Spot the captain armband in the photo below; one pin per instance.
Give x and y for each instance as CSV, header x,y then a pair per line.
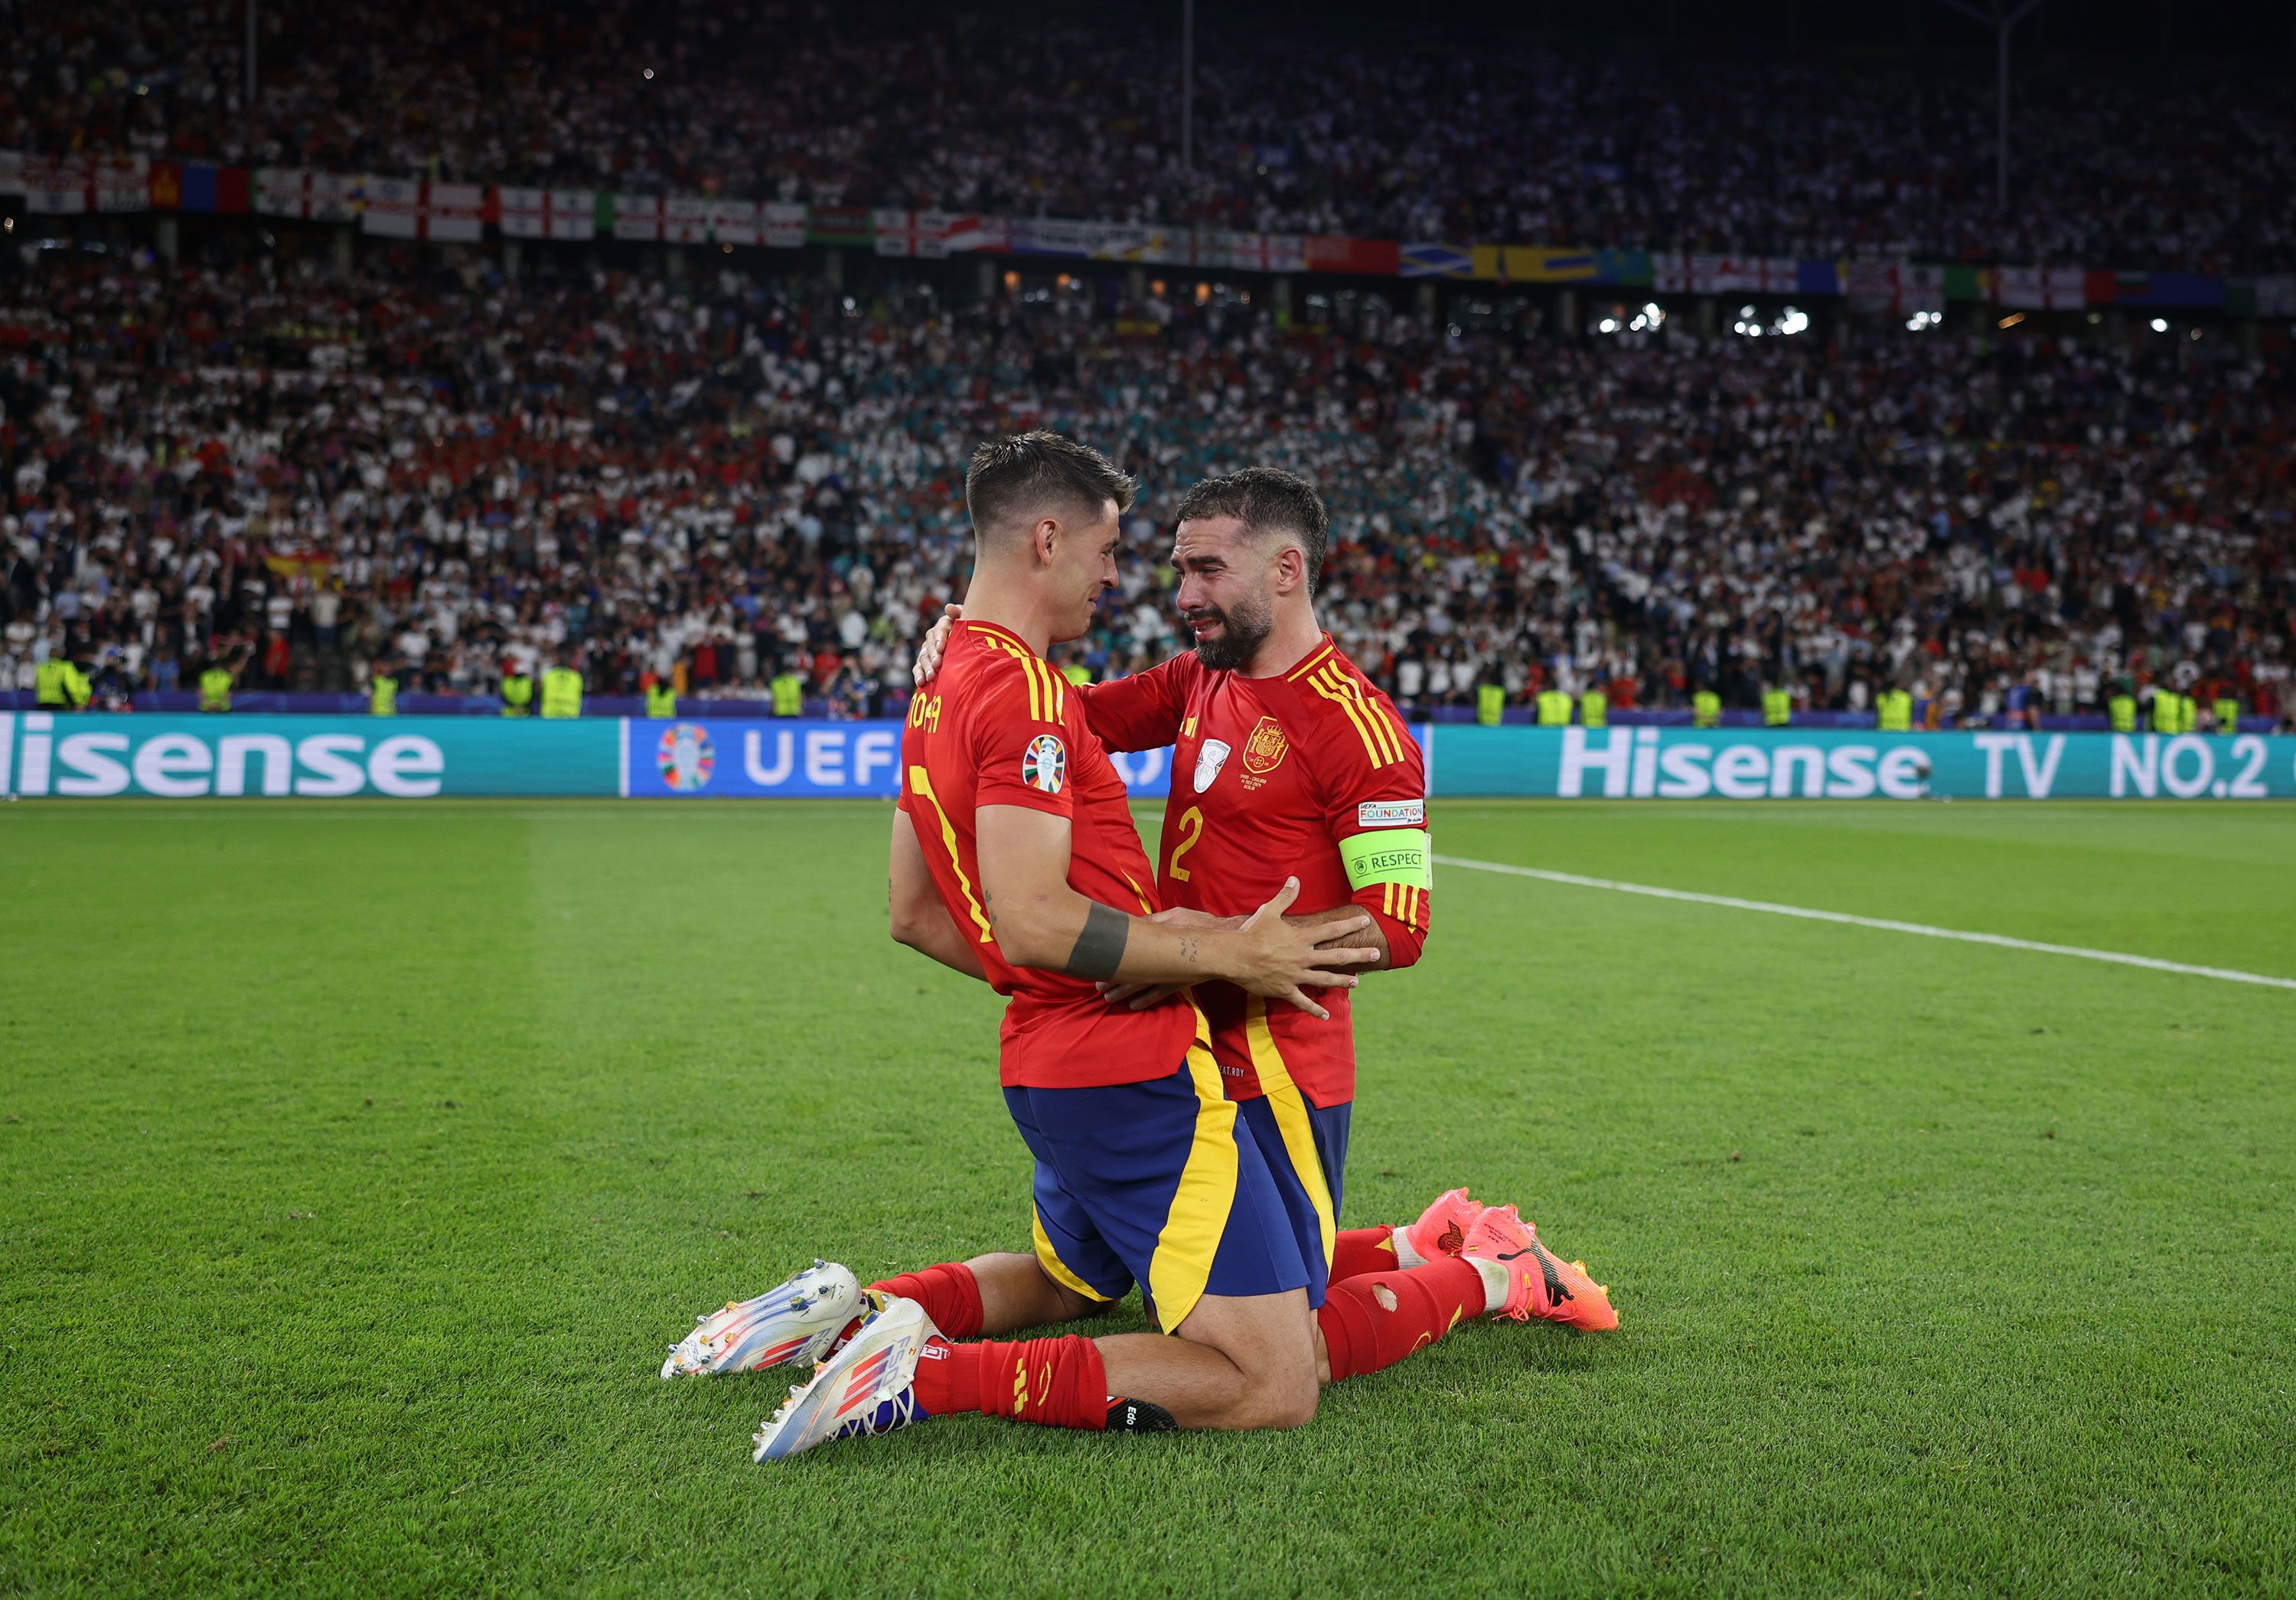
x,y
1388,856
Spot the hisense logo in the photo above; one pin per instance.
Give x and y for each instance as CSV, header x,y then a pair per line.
x,y
119,757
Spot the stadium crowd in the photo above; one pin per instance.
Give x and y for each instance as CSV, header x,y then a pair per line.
x,y
445,470
1307,131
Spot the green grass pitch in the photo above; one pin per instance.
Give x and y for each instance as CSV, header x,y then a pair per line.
x,y
360,1160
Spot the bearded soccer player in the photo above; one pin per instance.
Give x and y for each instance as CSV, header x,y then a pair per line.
x,y
1248,557
1012,848
1287,759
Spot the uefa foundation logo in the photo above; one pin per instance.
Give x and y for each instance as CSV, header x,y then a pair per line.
x,y
686,758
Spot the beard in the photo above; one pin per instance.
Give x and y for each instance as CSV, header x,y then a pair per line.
x,y
1242,629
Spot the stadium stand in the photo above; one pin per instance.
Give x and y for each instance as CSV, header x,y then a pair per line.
x,y
444,468
1319,133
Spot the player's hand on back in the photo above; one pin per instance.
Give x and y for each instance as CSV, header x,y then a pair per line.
x,y
934,644
1280,961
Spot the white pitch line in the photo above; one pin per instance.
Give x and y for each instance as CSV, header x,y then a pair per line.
x,y
2119,957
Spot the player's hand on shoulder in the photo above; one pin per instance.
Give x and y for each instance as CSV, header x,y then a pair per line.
x,y
1281,961
934,645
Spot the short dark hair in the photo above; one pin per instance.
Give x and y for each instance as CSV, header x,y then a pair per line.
x,y
1040,468
1266,500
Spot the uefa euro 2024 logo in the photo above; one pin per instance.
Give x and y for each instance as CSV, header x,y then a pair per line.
x,y
685,757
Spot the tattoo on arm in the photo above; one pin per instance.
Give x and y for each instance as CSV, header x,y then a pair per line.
x,y
1100,947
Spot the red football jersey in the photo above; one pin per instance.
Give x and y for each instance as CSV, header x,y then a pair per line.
x,y
1274,777
1000,727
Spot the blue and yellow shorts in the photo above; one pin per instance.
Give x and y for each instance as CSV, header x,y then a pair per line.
x,y
1161,1184
1306,1145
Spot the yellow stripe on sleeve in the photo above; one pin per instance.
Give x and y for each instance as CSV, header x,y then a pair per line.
x,y
1382,730
921,783
1349,705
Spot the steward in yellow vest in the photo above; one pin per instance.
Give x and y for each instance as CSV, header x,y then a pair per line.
x,y
1553,708
1706,708
382,695
1076,673
1595,709
215,689
60,686
517,694
561,694
661,698
1490,704
2227,711
2120,711
2168,711
1777,708
789,694
1894,711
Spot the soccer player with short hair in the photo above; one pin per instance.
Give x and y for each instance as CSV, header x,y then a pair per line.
x,y
1287,759
1012,850
1396,1290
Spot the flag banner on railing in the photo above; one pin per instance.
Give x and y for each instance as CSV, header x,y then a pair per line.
x,y
685,219
2043,288
637,216
783,226
419,208
547,213
734,222
406,207
300,192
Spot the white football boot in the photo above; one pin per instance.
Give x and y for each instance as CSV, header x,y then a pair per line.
x,y
869,1386
799,1320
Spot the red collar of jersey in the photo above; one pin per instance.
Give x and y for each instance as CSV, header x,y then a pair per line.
x,y
1315,658
995,632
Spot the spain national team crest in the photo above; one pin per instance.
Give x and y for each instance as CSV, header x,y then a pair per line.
x,y
1264,751
1044,764
1209,759
684,757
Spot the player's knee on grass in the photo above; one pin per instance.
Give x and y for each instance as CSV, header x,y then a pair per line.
x,y
1284,1399
1270,1340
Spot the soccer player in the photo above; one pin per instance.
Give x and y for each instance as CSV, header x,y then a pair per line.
x,y
1013,827
1403,1287
1288,760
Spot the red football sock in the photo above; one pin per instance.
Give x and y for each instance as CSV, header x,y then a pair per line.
x,y
949,1293
1053,1382
1355,1251
1374,1321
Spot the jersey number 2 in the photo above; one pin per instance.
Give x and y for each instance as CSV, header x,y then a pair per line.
x,y
1192,829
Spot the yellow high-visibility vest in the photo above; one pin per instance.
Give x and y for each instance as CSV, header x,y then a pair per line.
x,y
1706,708
382,696
561,693
517,695
1894,711
51,684
215,690
788,696
1777,707
2227,711
2120,710
1553,708
1490,704
1595,709
662,701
